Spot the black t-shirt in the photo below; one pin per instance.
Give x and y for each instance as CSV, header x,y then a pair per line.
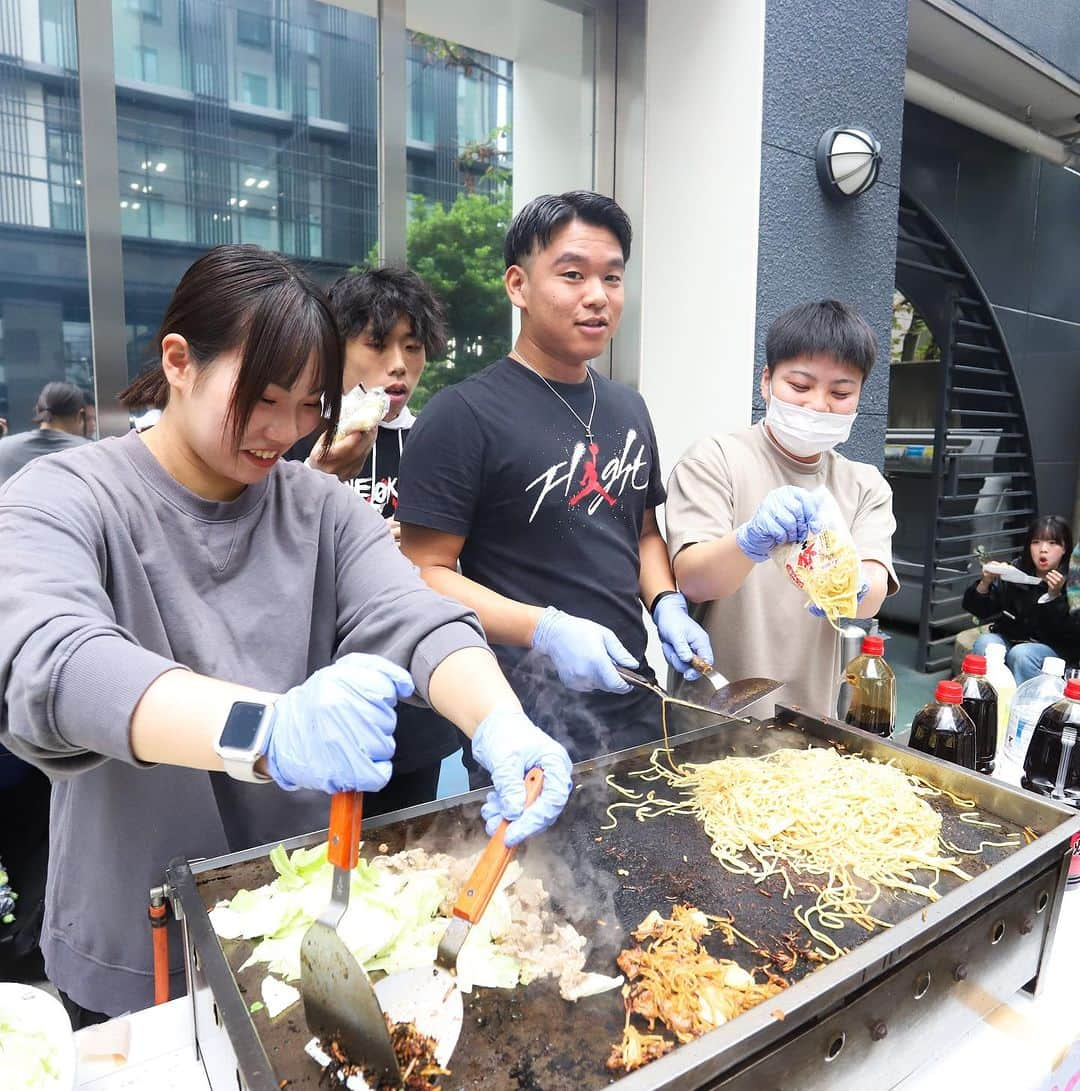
x,y
547,520
422,736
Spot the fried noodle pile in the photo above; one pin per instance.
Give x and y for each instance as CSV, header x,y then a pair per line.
x,y
674,981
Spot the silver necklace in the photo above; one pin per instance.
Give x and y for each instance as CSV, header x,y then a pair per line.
x,y
587,425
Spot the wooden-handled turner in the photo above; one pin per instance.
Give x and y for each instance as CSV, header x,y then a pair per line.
x,y
429,996
339,1001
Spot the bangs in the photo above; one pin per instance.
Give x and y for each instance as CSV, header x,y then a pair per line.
x,y
290,327
1050,528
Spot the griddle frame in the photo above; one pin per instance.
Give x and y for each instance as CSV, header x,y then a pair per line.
x,y
234,1057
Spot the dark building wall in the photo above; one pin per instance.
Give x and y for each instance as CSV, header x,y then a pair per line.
x,y
1050,28
830,64
1016,219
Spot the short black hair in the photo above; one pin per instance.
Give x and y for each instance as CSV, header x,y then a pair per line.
x,y
822,328
374,300
58,400
244,298
532,228
1047,528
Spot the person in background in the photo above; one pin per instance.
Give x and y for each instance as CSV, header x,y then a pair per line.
x,y
391,325
733,499
61,415
540,477
1032,621
201,641
1073,583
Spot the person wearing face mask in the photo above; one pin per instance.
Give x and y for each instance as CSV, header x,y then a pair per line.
x,y
201,641
733,499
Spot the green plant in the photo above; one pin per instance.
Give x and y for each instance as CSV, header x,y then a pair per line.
x,y
458,251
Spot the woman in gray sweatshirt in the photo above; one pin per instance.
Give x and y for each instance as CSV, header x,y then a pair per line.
x,y
158,585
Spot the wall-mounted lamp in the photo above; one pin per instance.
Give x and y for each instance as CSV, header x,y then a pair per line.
x,y
848,161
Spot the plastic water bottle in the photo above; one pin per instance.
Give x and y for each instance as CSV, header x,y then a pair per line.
x,y
1031,699
1001,678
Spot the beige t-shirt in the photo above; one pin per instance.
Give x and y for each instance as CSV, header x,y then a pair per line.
x,y
764,628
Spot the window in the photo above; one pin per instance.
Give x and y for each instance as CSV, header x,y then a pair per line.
x,y
253,29
254,89
147,59
148,9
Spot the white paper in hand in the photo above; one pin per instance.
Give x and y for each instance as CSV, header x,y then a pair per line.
x,y
1009,573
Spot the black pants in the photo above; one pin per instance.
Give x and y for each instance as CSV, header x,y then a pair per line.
x,y
24,851
81,1017
404,790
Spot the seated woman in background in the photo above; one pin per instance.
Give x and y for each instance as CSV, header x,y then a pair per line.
x,y
1031,620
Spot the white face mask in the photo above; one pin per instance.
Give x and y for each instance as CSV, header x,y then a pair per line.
x,y
805,432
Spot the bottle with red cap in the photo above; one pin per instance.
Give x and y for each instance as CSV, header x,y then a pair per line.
x,y
1052,762
981,704
943,729
873,689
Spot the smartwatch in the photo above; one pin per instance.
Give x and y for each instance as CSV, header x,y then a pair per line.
x,y
243,740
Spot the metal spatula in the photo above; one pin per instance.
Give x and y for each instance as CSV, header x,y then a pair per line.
x,y
428,996
339,1002
728,700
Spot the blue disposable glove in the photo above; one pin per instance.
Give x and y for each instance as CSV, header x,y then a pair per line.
x,y
681,636
335,732
508,744
583,652
864,588
786,515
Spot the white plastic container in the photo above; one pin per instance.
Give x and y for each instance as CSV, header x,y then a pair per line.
x,y
1031,699
1001,678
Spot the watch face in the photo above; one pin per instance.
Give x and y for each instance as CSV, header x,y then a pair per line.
x,y
242,727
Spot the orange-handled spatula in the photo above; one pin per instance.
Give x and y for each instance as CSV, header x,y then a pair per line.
x,y
339,1001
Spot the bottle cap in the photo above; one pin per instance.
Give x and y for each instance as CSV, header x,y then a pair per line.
x,y
1072,689
1054,666
974,664
873,645
949,693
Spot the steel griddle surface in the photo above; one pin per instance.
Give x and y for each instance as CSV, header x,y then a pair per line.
x,y
604,883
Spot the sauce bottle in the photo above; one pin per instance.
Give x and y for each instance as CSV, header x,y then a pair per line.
x,y
1052,762
981,704
873,689
943,729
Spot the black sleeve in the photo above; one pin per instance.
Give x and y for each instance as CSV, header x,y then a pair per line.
x,y
442,466
983,606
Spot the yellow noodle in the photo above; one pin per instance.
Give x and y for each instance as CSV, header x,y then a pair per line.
x,y
855,827
831,576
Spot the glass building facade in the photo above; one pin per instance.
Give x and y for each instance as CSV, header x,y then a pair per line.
x,y
252,121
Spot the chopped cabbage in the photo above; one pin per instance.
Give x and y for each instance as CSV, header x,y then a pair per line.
x,y
29,1058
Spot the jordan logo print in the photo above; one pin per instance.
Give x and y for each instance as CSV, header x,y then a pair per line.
x,y
590,481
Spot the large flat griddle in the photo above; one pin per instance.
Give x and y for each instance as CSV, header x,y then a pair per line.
x,y
606,881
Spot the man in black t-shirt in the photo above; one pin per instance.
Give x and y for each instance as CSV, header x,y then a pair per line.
x,y
540,478
390,323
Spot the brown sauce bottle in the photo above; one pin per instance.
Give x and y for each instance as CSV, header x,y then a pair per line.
x,y
980,703
943,729
873,689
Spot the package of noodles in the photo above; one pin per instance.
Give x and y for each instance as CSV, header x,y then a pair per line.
x,y
825,565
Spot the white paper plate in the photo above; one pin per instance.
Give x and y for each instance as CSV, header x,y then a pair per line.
x,y
1009,573
35,1021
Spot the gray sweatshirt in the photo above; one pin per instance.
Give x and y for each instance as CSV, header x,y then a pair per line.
x,y
114,573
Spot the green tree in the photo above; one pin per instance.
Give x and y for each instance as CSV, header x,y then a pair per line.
x,y
458,251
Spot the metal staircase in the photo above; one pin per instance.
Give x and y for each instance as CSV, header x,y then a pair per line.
x,y
983,472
